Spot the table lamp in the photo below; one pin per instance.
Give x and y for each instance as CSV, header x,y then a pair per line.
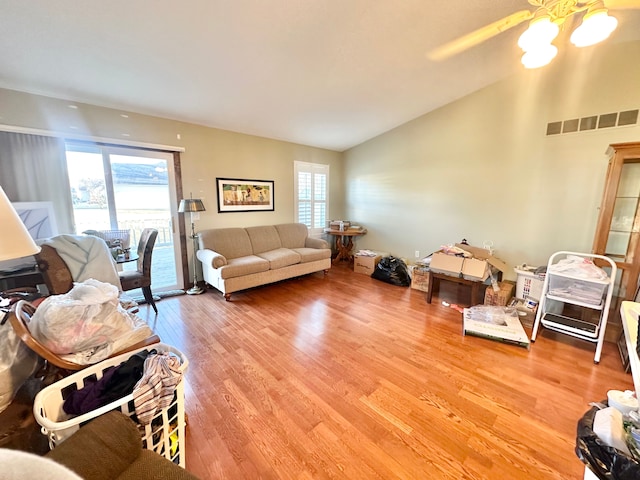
x,y
193,205
15,241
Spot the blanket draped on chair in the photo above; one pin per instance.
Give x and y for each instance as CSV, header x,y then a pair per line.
x,y
87,257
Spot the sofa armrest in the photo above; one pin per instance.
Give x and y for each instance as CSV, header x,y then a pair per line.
x,y
209,257
315,243
102,449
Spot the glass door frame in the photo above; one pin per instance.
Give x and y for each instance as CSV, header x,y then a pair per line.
x,y
175,193
620,154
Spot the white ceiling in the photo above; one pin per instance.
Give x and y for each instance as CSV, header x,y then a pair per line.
x,y
326,73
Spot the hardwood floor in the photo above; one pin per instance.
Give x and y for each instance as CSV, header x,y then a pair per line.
x,y
347,377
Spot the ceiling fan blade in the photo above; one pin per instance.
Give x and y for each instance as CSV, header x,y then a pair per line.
x,y
621,4
478,36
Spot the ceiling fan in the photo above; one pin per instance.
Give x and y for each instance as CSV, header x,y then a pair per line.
x,y
545,22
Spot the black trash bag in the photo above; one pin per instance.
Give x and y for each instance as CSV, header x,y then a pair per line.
x,y
607,463
392,270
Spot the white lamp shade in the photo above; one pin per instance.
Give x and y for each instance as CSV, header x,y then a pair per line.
x,y
541,31
15,241
595,28
539,57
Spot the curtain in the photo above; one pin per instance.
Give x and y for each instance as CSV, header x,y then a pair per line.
x,y
33,168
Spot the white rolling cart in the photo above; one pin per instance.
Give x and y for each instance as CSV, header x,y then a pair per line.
x,y
562,288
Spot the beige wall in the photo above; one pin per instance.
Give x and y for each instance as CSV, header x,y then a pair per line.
x,y
482,168
209,152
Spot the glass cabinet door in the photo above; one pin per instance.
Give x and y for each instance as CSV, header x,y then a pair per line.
x,y
618,230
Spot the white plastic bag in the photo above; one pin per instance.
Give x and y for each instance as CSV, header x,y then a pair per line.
x,y
17,364
86,322
579,267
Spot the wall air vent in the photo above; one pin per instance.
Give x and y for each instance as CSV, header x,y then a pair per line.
x,y
630,117
588,123
605,120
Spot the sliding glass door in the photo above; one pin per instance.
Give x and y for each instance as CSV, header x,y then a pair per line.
x,y
118,188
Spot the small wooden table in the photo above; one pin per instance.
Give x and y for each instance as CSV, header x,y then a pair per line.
x,y
344,242
474,284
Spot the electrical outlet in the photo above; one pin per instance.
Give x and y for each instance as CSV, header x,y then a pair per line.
x,y
417,253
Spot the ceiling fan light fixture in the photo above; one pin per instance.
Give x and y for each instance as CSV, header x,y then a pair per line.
x,y
596,26
541,31
539,56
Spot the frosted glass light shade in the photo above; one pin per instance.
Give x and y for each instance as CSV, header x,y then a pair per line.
x,y
540,56
15,241
596,27
541,31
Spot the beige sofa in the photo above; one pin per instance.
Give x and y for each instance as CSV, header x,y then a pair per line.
x,y
235,259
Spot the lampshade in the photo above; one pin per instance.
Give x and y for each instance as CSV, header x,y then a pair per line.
x,y
191,205
596,26
542,31
539,56
15,241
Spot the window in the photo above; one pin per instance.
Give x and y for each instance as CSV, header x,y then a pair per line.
x,y
311,186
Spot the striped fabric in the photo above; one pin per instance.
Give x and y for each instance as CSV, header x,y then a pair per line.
x,y
154,391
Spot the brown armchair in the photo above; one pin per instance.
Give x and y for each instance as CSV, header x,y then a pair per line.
x,y
109,447
55,272
141,277
19,320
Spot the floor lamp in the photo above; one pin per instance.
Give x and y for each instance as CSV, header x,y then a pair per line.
x,y
193,205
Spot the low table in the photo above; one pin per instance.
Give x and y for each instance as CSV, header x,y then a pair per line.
x,y
19,279
344,247
474,284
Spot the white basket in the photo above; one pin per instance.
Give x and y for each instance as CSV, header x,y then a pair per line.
x,y
165,434
528,285
571,288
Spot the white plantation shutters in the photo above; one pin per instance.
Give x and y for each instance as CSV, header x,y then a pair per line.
x,y
311,186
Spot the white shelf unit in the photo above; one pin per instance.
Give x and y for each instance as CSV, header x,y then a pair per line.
x,y
558,322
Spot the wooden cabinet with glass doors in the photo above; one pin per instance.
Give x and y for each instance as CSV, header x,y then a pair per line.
x,y
618,229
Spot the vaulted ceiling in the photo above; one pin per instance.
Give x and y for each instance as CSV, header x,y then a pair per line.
x,y
326,73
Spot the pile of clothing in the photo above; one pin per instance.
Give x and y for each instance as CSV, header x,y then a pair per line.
x,y
152,377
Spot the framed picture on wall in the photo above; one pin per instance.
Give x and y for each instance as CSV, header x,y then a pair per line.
x,y
241,195
40,220
38,217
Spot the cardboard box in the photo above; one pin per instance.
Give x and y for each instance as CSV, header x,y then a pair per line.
x,y
447,264
366,265
503,326
527,315
478,267
501,297
420,278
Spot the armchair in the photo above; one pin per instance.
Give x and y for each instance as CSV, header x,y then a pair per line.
x,y
110,447
19,320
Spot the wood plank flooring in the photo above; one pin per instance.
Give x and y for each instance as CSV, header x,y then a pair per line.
x,y
346,377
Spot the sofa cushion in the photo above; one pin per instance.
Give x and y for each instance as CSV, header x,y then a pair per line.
x,y
264,238
312,254
237,267
280,257
114,435
230,242
292,235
